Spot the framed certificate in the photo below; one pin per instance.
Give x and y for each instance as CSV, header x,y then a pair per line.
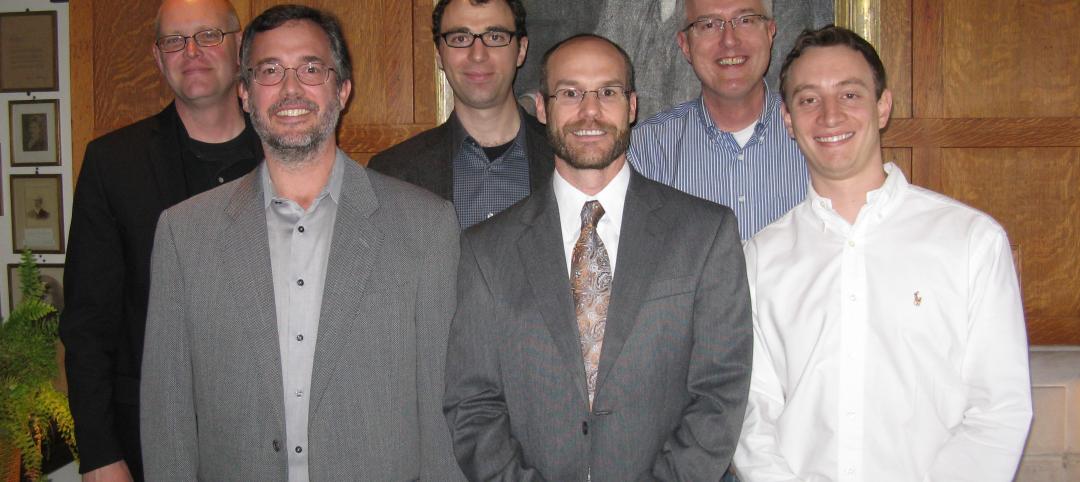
x,y
28,52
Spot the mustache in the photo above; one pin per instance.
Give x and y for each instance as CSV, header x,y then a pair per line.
x,y
590,125
292,104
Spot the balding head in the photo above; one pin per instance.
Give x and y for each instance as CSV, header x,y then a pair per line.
x,y
212,8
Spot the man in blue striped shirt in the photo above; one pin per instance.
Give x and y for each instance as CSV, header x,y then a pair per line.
x,y
729,145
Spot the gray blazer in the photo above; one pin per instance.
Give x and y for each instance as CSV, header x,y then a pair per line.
x,y
675,366
212,403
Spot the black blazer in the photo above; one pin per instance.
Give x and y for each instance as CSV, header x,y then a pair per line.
x,y
128,178
427,159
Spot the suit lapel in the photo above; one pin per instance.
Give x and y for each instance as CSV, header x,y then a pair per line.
x,y
165,161
641,235
354,250
541,250
247,246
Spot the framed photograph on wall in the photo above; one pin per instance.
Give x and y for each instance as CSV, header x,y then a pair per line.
x,y
52,275
37,217
29,58
35,132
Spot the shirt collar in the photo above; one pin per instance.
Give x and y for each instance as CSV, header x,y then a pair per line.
x,y
772,103
612,198
458,134
333,185
880,202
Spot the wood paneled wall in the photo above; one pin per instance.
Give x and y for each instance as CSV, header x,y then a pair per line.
x,y
987,110
115,82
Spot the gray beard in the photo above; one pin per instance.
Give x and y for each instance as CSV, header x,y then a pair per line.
x,y
297,149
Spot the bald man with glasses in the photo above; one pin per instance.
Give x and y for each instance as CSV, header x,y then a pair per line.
x,y
128,177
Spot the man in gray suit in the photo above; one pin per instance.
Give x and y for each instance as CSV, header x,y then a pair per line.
x,y
298,316
614,345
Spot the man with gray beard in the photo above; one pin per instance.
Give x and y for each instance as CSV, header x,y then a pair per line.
x,y
298,316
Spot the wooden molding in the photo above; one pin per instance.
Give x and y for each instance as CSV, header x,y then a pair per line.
x,y
991,132
861,16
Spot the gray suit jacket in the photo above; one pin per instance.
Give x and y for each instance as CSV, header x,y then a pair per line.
x,y
212,402
675,366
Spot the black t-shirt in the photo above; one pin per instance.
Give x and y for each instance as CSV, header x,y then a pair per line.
x,y
208,165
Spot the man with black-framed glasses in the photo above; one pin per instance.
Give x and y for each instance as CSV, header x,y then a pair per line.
x,y
729,145
128,178
490,153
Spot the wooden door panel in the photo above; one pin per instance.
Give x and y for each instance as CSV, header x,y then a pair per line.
x,y
128,86
1008,58
1033,193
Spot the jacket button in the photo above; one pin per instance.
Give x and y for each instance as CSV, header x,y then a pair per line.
x,y
585,428
277,446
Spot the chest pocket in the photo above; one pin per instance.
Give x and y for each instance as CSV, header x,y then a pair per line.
x,y
671,287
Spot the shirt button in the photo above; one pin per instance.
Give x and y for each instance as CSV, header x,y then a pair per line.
x,y
301,229
852,298
298,449
851,413
490,215
277,446
220,180
299,393
851,243
742,199
300,282
850,470
299,337
740,156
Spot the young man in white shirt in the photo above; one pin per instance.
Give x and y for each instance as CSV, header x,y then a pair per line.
x,y
889,332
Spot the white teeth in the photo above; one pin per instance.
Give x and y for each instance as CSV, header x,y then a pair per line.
x,y
836,138
292,112
589,132
732,60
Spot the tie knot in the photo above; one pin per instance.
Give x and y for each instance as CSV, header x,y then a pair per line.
x,y
591,213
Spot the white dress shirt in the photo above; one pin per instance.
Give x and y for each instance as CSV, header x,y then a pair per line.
x,y
612,198
891,349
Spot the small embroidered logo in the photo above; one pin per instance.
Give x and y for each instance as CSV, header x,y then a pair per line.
x,y
918,299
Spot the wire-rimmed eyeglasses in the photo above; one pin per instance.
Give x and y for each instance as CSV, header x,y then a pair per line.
x,y
491,38
609,95
272,73
205,38
715,25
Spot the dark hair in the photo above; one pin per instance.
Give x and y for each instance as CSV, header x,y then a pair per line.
x,y
276,16
551,51
516,7
829,36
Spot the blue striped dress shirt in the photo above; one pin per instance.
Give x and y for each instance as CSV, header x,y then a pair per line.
x,y
760,181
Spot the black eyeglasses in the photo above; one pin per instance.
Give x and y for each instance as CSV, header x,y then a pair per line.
x,y
205,38
311,73
491,38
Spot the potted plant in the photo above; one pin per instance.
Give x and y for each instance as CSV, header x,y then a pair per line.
x,y
30,403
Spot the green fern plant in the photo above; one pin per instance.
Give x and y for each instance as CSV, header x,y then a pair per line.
x,y
29,403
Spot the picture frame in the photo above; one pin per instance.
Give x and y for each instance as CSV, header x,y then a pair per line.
x,y
29,55
51,274
37,216
34,126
